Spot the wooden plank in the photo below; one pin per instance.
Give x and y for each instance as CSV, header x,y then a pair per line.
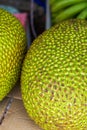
x,y
3,106
15,92
17,118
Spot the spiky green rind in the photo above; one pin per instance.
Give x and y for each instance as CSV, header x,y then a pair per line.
x,y
12,50
54,77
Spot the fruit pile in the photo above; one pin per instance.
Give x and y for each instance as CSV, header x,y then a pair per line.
x,y
53,75
66,9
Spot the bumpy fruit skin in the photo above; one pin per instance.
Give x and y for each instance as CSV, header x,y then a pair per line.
x,y
54,77
12,50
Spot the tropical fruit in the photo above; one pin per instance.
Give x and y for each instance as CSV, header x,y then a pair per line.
x,y
12,50
54,77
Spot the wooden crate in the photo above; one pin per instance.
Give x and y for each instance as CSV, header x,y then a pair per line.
x,y
15,116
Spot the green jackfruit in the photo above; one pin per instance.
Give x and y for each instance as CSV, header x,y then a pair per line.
x,y
12,50
54,77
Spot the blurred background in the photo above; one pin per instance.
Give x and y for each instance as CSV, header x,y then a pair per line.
x,y
32,13
39,15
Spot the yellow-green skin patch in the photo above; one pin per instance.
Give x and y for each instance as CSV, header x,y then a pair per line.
x,y
12,50
54,77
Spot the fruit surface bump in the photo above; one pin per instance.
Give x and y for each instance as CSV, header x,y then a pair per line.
x,y
54,77
12,50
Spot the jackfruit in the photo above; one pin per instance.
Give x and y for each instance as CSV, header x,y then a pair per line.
x,y
13,46
54,77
